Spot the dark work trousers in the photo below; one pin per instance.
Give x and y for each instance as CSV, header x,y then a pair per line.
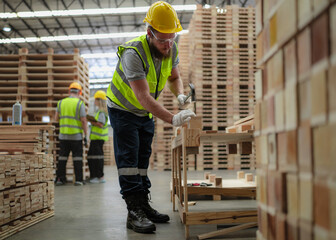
x,y
132,140
96,158
67,146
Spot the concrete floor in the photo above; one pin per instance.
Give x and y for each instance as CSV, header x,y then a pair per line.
x,y
97,212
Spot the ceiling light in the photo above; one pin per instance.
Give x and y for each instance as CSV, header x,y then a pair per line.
x,y
77,37
6,28
93,11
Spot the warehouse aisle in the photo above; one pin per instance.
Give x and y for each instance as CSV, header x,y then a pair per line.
x,y
97,212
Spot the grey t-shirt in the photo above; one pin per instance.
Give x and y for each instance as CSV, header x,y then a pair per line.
x,y
134,69
77,136
102,118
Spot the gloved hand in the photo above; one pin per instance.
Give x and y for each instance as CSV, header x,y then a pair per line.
x,y
85,142
182,117
182,102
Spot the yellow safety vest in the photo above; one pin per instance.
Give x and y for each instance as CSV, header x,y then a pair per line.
x,y
119,90
98,133
69,109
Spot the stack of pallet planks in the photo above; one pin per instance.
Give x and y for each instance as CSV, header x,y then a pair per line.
x,y
26,177
39,81
295,124
108,152
218,57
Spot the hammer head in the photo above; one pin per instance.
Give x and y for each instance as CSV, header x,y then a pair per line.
x,y
192,92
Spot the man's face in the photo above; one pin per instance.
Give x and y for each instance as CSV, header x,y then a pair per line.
x,y
161,43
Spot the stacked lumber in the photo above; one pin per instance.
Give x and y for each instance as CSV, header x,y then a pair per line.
x,y
218,57
295,124
26,177
109,152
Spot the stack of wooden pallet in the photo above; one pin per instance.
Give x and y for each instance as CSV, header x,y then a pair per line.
x,y
26,177
39,81
108,152
220,62
295,119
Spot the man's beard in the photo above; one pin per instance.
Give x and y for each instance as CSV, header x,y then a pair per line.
x,y
157,54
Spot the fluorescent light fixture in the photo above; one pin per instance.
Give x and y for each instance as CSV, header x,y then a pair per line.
x,y
45,119
100,80
76,37
102,69
99,55
95,86
93,11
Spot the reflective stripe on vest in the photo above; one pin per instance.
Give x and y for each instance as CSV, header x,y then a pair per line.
x,y
69,109
119,90
98,133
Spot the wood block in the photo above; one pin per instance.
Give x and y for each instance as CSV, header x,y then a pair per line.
x,y
281,227
280,192
240,175
292,162
290,62
321,204
262,187
271,219
282,151
291,109
232,148
292,228
218,183
258,149
305,12
292,195
270,114
212,178
319,98
305,100
273,38
304,53
264,116
332,23
245,148
272,152
321,150
332,91
271,189
195,122
249,177
260,47
305,147
306,197
279,102
332,209
263,222
277,77
258,85
306,230
286,20
320,44
206,175
332,150
264,150
257,118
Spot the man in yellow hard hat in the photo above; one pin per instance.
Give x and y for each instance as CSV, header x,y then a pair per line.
x,y
70,113
98,135
145,65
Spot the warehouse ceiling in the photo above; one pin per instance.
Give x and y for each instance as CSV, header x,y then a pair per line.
x,y
100,28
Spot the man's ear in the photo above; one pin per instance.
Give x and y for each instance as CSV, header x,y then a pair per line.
x,y
149,32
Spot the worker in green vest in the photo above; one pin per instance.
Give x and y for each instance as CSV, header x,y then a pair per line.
x,y
145,65
98,135
70,113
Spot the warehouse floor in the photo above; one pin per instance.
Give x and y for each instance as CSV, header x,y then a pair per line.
x,y
97,211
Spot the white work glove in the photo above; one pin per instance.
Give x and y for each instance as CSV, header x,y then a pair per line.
x,y
181,98
182,117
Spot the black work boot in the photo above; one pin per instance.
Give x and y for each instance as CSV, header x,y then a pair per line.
x,y
136,218
151,213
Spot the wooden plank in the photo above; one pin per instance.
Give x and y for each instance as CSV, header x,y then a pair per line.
x,y
227,230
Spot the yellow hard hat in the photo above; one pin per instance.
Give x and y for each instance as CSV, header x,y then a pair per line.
x,y
163,18
100,94
76,85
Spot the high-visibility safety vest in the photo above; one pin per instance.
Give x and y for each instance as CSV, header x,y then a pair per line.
x,y
119,90
68,110
98,133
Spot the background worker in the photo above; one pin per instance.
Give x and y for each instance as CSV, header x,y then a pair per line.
x,y
70,113
145,64
98,135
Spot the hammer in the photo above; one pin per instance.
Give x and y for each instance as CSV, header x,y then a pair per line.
x,y
192,93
